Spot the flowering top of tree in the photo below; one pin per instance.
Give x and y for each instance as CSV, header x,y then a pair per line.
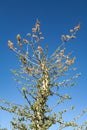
x,y
39,76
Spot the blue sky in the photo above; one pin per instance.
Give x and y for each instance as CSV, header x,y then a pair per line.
x,y
56,17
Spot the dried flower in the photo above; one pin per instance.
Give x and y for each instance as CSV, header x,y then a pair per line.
x,y
69,62
19,44
23,59
34,29
29,70
61,53
59,60
34,36
25,41
65,56
10,44
18,37
40,49
28,34
63,37
65,68
68,37
40,33
71,30
73,37
77,27
37,25
41,38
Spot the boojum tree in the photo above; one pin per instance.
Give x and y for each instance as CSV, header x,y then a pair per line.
x,y
39,78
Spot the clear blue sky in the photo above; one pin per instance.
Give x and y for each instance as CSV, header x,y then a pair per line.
x,y
56,17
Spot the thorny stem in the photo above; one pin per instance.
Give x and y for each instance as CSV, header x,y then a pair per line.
x,y
39,105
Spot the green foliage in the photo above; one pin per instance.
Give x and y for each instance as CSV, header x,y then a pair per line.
x,y
39,77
